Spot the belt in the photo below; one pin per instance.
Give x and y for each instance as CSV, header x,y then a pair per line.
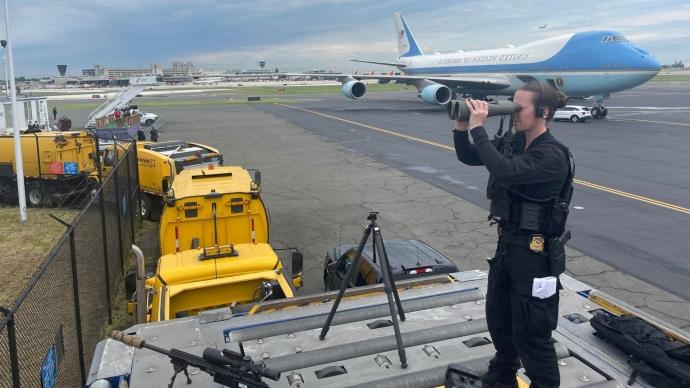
x,y
533,241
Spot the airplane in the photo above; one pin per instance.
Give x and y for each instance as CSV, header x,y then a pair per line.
x,y
584,65
542,26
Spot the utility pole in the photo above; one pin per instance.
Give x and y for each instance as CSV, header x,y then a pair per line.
x,y
18,161
4,62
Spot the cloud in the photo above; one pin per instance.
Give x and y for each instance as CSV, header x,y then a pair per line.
x,y
300,34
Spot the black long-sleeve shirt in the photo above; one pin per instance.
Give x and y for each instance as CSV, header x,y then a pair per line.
x,y
539,172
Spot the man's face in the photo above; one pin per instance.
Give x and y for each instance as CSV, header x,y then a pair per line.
x,y
525,119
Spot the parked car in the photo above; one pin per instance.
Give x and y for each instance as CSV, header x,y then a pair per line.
x,y
147,119
408,259
573,113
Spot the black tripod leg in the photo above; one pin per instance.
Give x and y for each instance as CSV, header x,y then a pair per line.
x,y
343,285
388,287
394,288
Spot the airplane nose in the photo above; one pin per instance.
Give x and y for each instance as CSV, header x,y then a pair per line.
x,y
653,63
647,61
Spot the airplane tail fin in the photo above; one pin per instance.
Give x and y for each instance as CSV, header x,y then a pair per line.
x,y
407,46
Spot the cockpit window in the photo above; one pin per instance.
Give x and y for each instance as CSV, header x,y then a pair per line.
x,y
613,38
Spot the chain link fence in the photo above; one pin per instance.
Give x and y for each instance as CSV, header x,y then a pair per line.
x,y
48,336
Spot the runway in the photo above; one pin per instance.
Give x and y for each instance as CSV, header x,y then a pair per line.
x,y
631,207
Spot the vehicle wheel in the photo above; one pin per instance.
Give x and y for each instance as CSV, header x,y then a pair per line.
x,y
596,111
145,207
604,112
148,122
574,119
34,194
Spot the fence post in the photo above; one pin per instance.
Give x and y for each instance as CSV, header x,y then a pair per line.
x,y
106,261
104,233
136,174
118,202
77,307
129,191
12,339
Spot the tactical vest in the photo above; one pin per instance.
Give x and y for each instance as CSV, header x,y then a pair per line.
x,y
514,210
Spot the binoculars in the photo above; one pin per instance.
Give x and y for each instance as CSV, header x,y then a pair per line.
x,y
458,110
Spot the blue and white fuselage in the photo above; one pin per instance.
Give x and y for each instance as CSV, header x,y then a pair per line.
x,y
582,65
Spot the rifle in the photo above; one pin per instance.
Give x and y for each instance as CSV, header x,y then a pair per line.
x,y
228,368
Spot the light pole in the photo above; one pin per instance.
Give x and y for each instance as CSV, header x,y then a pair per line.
x,y
3,43
18,161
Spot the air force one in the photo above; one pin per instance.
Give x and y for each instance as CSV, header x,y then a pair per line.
x,y
588,65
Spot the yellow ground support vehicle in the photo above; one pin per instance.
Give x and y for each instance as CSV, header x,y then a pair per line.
x,y
159,163
195,280
214,247
218,206
57,165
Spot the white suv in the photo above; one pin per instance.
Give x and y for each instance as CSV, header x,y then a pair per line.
x,y
147,119
573,113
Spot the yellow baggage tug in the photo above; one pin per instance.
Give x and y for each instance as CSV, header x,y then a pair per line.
x,y
214,246
159,163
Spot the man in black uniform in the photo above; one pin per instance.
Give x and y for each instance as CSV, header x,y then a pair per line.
x,y
154,134
530,185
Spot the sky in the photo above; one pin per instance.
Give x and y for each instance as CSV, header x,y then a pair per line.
x,y
299,35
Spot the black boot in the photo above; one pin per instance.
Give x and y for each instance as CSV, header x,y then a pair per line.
x,y
499,378
502,372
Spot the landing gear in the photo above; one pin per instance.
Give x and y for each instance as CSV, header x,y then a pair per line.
x,y
599,110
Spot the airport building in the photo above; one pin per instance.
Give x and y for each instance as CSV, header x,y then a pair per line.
x,y
104,76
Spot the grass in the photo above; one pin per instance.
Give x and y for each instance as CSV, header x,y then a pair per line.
x,y
145,104
672,78
316,89
26,245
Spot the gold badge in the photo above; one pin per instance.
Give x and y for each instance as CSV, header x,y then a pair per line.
x,y
537,243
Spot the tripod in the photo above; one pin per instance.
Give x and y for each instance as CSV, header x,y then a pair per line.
x,y
388,282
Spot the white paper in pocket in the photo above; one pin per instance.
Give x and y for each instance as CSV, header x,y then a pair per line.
x,y
543,288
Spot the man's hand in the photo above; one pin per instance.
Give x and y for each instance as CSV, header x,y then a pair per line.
x,y
479,111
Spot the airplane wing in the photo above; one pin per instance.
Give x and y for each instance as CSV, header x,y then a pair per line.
x,y
496,82
379,63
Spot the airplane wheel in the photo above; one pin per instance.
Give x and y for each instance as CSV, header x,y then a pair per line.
x,y
604,112
574,119
596,112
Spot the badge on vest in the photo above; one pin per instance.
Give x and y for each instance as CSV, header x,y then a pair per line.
x,y
536,244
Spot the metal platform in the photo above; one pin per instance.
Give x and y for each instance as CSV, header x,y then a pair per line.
x,y
445,324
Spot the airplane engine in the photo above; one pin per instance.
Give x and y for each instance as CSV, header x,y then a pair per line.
x,y
354,89
435,94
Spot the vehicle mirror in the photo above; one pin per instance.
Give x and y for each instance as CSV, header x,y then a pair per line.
x,y
164,185
257,177
297,282
297,263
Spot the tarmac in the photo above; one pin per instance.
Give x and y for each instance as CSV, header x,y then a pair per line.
x,y
327,162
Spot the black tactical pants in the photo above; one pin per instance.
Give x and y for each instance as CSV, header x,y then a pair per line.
x,y
520,324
